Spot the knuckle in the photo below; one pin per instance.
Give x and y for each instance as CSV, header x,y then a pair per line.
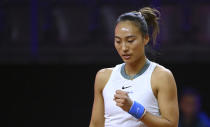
x,y
124,97
117,91
118,104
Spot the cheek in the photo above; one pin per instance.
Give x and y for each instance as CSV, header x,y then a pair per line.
x,y
138,47
117,47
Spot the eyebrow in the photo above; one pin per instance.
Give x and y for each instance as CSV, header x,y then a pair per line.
x,y
132,36
126,36
116,37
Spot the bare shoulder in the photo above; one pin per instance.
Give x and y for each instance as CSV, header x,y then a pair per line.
x,y
102,78
162,72
104,74
163,78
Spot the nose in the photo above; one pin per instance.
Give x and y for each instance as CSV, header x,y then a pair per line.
x,y
124,47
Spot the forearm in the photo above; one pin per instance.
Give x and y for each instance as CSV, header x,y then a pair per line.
x,y
96,121
157,121
95,124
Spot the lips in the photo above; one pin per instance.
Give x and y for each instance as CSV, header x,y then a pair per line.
x,y
126,56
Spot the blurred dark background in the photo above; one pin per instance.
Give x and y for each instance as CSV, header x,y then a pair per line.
x,y
50,51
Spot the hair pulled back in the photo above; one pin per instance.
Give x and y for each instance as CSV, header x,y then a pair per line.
x,y
146,18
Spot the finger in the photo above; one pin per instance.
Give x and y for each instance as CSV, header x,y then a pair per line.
x,y
121,92
126,93
119,100
119,104
117,96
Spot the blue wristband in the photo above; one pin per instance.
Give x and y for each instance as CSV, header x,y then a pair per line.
x,y
136,110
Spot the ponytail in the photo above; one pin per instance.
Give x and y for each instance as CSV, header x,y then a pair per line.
x,y
151,16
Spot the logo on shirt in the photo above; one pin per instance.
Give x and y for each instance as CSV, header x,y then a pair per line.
x,y
126,87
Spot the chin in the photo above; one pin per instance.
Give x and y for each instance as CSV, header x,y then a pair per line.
x,y
129,61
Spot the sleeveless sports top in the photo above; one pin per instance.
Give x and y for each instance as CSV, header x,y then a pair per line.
x,y
139,89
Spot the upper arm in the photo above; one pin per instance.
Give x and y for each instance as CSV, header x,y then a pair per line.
x,y
97,118
167,95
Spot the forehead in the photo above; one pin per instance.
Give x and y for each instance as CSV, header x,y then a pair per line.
x,y
126,28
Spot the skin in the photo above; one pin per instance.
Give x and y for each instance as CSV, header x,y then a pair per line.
x,y
129,44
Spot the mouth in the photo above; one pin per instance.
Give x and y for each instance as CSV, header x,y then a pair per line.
x,y
126,56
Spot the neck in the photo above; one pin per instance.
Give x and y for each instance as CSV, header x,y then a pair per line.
x,y
133,68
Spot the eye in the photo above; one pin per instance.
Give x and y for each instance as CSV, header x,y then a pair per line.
x,y
117,41
130,41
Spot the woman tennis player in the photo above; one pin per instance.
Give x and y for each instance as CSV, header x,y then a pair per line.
x,y
138,92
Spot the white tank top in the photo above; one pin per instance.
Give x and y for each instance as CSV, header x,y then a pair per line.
x,y
139,89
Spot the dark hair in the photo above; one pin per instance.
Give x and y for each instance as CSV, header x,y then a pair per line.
x,y
145,19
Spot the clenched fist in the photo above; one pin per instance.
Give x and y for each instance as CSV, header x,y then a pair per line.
x,y
123,100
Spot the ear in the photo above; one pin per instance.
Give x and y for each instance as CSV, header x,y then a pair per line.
x,y
146,39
